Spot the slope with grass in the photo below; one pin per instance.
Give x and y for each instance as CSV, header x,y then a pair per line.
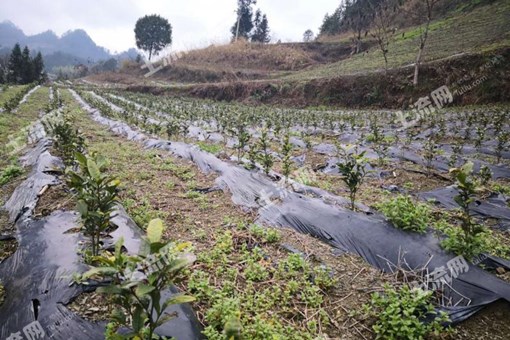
x,y
325,72
484,29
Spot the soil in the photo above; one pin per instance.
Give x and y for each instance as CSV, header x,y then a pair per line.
x,y
371,90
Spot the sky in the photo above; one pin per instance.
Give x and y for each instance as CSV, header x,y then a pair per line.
x,y
195,23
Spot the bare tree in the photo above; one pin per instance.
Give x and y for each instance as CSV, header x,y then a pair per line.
x,y
356,13
425,8
381,28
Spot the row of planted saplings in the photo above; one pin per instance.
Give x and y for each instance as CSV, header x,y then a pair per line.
x,y
238,127
134,282
473,125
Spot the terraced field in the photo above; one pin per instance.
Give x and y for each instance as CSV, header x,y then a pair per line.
x,y
481,30
287,221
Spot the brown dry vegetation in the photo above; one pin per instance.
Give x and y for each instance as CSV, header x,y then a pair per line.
x,y
392,90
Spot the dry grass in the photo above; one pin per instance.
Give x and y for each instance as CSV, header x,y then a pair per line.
x,y
241,54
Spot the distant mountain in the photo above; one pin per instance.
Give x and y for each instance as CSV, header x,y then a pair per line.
x,y
10,34
72,48
130,54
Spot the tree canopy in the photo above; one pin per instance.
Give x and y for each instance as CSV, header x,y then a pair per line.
x,y
250,27
153,33
22,69
308,35
261,32
244,20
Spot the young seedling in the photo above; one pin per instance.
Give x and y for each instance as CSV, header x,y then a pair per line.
x,y
172,128
265,156
456,151
467,188
97,196
137,283
287,153
485,175
353,172
503,139
243,137
68,140
480,136
429,153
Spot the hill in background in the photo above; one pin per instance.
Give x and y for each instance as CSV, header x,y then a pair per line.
x,y
72,48
463,36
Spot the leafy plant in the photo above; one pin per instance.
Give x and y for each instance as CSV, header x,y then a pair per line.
x,y
503,138
253,292
97,196
353,172
467,242
265,156
480,136
138,281
429,153
485,175
68,140
287,153
405,314
9,173
456,151
406,214
243,137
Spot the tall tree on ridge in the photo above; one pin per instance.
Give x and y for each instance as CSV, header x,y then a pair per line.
x,y
15,65
153,33
38,67
27,68
261,33
244,20
308,35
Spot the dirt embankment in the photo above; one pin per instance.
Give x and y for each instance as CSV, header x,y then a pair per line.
x,y
472,78
238,61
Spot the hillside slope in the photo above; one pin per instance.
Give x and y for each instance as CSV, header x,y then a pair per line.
x,y
326,73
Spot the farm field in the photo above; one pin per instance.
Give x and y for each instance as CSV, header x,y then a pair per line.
x,y
262,197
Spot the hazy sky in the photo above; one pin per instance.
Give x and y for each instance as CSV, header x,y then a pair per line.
x,y
195,23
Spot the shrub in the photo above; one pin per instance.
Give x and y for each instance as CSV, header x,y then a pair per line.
x,y
9,173
353,172
402,314
468,242
405,214
67,139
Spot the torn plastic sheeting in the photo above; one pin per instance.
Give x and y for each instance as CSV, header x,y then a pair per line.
x,y
297,142
371,237
493,207
440,163
487,148
380,244
325,149
24,198
299,160
37,276
41,270
331,168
